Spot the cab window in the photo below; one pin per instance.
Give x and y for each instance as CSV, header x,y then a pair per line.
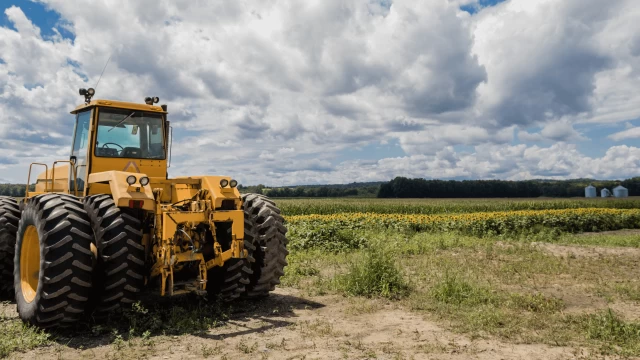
x,y
129,134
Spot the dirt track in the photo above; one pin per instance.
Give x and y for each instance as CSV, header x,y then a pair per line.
x,y
289,326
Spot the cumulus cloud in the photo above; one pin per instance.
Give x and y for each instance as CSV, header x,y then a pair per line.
x,y
545,58
630,133
277,91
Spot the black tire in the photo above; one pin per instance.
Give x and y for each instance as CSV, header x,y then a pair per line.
x,y
229,282
64,239
120,269
269,256
9,218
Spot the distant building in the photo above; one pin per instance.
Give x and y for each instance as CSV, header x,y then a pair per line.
x,y
590,191
620,192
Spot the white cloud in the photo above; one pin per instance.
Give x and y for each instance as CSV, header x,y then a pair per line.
x,y
276,91
629,133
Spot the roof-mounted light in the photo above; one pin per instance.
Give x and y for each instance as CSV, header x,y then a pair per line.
x,y
87,93
151,100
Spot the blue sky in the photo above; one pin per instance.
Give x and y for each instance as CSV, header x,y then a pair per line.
x,y
306,94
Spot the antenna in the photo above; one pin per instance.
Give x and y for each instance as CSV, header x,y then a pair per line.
x,y
103,69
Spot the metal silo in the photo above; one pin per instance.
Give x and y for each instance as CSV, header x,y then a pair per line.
x,y
620,192
605,193
590,191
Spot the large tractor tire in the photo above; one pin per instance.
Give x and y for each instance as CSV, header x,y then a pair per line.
x,y
229,282
120,269
9,218
53,261
269,257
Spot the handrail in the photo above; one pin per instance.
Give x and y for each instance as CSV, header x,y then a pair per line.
x,y
75,176
46,170
170,144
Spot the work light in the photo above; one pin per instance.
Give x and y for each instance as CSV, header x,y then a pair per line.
x,y
233,183
131,179
144,181
224,182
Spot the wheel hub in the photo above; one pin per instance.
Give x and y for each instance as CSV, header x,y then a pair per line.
x,y
30,263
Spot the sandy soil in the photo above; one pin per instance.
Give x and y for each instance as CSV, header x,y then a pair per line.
x,y
290,326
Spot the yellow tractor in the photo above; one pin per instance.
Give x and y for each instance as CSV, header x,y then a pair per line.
x,y
108,224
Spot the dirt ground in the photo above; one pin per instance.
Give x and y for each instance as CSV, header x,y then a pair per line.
x,y
290,326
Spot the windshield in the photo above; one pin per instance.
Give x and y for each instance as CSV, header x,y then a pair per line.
x,y
129,134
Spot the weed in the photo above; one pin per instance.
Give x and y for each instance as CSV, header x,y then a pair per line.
x,y
316,328
373,274
242,346
207,350
452,289
616,334
535,303
17,336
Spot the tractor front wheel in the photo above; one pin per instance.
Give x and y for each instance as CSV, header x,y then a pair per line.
x,y
53,261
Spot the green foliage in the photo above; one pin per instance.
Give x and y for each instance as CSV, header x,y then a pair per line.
x,y
14,190
315,191
291,207
328,237
173,316
615,334
374,274
455,290
17,336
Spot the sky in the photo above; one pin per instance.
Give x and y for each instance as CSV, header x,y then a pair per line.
x,y
286,92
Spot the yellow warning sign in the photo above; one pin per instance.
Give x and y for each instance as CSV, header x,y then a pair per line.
x,y
130,165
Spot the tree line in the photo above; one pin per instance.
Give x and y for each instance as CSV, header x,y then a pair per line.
x,y
402,187
337,190
15,190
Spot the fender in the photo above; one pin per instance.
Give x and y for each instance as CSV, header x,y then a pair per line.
x,y
122,192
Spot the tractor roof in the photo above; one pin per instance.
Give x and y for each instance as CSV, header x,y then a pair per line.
x,y
120,105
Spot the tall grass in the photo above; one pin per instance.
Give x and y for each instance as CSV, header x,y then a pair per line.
x,y
374,274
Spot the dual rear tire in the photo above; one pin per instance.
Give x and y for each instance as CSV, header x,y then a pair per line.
x,y
53,261
59,255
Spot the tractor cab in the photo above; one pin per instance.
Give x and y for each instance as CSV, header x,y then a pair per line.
x,y
111,136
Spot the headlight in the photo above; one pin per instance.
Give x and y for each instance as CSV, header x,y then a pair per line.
x,y
91,91
224,182
144,181
131,179
233,183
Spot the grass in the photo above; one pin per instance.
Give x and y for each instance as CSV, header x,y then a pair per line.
x,y
486,287
17,336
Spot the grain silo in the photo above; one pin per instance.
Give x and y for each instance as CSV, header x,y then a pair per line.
x,y
620,192
590,191
605,193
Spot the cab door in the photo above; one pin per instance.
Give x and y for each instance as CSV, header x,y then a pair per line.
x,y
79,152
